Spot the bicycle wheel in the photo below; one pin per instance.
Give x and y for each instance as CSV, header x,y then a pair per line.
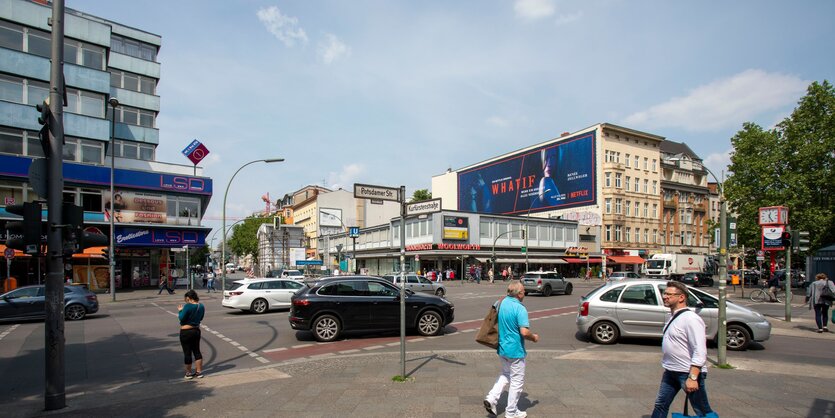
x,y
758,296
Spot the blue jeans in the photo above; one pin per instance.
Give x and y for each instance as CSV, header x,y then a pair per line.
x,y
822,315
671,383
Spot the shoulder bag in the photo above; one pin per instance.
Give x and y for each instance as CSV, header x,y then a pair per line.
x,y
826,293
488,334
685,414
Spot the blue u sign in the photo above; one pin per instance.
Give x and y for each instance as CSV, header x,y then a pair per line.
x,y
354,232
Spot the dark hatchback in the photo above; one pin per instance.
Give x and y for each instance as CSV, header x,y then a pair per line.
x,y
334,305
29,302
697,279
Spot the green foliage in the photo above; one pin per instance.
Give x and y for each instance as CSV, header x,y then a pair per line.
x,y
420,195
791,165
244,240
198,256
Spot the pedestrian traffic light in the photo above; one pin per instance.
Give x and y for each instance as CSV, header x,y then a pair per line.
x,y
786,239
25,235
75,238
45,120
801,241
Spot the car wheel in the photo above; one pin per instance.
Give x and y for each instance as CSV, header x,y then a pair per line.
x,y
569,288
439,293
604,332
738,338
75,312
326,328
546,291
259,306
429,324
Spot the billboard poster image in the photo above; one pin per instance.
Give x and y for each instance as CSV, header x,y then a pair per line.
x,y
136,207
557,175
456,228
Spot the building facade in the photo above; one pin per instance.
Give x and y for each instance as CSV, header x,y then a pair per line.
x,y
157,206
686,200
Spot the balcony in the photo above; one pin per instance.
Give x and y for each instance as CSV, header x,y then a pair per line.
x,y
670,203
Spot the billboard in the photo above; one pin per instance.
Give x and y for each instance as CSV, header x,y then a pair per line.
x,y
330,217
456,228
557,175
136,207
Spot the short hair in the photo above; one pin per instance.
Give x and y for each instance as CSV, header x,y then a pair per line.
x,y
191,294
821,276
678,285
515,288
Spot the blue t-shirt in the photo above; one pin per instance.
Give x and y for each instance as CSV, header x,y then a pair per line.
x,y
512,316
192,314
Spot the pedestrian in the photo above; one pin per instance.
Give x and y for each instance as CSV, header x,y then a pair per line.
x,y
191,314
163,285
478,274
210,287
490,274
773,284
504,274
819,304
684,350
205,280
514,329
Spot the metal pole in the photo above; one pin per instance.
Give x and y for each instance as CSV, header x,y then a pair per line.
x,y
789,279
722,337
55,395
403,281
188,270
354,257
223,227
112,252
527,218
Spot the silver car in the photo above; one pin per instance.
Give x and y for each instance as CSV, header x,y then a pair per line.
x,y
621,275
633,308
418,283
546,283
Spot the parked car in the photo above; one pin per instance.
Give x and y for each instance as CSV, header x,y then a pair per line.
x,y
546,283
260,295
230,268
634,309
28,302
287,274
417,283
338,304
798,278
620,275
697,279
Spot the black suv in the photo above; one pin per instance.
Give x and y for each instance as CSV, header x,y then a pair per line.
x,y
697,279
333,305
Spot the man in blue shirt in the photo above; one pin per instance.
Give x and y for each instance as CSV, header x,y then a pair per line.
x,y
514,329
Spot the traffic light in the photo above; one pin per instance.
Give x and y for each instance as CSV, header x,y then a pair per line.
x,y
44,119
25,235
75,238
786,239
801,241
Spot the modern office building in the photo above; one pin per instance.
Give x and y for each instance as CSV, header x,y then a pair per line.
x,y
158,206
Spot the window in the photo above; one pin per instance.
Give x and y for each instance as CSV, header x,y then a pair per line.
x,y
636,162
484,229
618,180
654,210
655,234
637,207
617,157
612,295
646,186
11,142
638,235
608,232
628,234
11,89
618,231
618,206
627,160
637,184
628,207
532,229
133,48
608,179
608,205
628,180
641,294
11,190
11,36
39,43
654,187
646,210
646,236
146,152
646,163
654,165
379,289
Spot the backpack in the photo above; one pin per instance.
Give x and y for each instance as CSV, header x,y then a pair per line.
x,y
488,334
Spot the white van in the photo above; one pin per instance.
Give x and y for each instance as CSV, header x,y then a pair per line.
x,y
230,268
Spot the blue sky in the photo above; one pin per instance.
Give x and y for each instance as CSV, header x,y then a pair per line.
x,y
391,93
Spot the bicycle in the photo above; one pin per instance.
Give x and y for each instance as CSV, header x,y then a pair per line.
x,y
761,295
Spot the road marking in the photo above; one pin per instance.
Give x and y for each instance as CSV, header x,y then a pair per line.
x,y
373,347
8,331
234,343
392,344
301,346
351,351
273,350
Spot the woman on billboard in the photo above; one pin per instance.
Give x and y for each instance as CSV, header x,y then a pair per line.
x,y
548,190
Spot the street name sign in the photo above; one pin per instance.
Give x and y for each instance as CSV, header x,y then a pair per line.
x,y
424,207
366,191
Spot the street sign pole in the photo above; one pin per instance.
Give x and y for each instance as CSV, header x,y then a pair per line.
x,y
403,281
788,280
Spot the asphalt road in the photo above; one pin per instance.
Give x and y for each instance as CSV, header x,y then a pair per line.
x,y
137,340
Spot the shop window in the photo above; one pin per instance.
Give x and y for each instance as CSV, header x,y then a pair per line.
x,y
91,152
484,229
91,200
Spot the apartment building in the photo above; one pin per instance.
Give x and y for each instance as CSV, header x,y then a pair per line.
x,y
686,200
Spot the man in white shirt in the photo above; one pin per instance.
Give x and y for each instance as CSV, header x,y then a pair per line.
x,y
684,351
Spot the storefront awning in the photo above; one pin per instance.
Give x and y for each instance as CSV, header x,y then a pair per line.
x,y
624,259
92,252
581,260
531,260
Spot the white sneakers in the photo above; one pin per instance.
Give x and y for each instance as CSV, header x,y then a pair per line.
x,y
490,407
520,414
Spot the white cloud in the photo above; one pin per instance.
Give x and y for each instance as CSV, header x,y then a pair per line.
x,y
283,27
723,103
565,19
347,177
718,163
498,122
333,49
533,9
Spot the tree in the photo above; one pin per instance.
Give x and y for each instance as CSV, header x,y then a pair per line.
x,y
244,240
791,165
420,195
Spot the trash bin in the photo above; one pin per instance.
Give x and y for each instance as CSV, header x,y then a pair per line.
x,y
9,284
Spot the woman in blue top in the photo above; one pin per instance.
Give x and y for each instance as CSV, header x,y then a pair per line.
x,y
191,313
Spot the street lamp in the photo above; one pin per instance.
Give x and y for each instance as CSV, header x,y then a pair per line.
x,y
114,104
223,227
722,334
527,218
493,257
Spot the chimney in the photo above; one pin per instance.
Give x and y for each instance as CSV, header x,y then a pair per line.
x,y
565,134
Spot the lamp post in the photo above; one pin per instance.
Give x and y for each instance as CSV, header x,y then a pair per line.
x,y
493,257
527,218
223,227
722,337
113,104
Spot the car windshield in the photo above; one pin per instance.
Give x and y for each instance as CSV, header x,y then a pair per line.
x,y
593,291
655,264
532,276
236,285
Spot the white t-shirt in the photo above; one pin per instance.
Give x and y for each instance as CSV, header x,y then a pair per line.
x,y
684,343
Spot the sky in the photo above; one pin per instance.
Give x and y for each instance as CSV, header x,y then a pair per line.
x,y
392,93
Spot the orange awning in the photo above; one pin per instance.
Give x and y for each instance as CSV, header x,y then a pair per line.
x,y
624,259
92,252
17,253
581,260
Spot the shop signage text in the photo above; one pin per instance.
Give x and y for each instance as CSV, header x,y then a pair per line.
x,y
444,247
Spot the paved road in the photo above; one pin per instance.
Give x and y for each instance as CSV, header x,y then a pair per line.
x,y
134,341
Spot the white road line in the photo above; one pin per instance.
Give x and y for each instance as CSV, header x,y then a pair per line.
x,y
392,344
321,355
351,351
417,339
219,335
273,350
373,347
8,331
301,346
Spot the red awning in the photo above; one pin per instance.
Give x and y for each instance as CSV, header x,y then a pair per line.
x,y
624,259
17,253
91,252
581,260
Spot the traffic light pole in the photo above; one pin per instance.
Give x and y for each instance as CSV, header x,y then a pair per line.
x,y
789,278
55,396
